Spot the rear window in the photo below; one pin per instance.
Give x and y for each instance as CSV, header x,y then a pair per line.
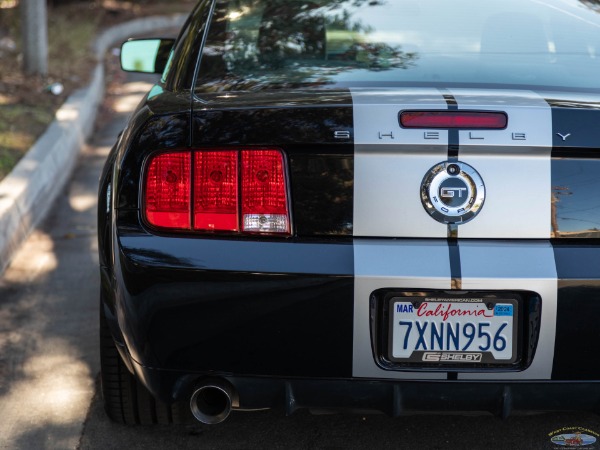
x,y
254,45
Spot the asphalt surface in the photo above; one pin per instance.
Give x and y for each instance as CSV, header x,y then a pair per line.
x,y
49,362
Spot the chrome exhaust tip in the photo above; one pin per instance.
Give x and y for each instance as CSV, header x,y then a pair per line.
x,y
212,401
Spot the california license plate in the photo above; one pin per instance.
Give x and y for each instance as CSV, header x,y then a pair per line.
x,y
437,330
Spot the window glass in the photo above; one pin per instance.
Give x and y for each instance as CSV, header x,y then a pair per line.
x,y
260,44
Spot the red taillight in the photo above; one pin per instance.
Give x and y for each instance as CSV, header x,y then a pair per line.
x,y
216,190
453,119
264,196
168,191
233,191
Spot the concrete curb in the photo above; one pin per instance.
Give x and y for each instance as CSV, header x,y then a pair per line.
x,y
27,193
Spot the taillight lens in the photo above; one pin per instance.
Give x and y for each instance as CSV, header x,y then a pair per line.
x,y
233,191
453,119
216,191
168,191
264,195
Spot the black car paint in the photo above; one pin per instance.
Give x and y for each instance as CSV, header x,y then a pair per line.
x,y
577,342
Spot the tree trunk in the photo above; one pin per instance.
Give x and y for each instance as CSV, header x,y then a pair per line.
x,y
35,37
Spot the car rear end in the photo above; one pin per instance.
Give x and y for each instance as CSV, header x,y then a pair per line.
x,y
340,221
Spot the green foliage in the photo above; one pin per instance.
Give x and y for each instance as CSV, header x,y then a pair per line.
x,y
19,126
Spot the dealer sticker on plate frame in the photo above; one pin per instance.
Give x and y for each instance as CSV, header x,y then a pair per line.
x,y
457,331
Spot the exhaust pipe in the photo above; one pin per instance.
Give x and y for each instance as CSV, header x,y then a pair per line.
x,y
212,401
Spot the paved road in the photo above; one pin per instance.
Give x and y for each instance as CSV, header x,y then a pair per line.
x,y
49,395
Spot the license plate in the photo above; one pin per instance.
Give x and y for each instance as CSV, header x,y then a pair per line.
x,y
453,331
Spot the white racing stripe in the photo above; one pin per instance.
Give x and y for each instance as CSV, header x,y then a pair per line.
x,y
514,266
416,264
515,165
390,163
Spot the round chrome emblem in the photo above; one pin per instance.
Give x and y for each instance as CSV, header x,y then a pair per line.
x,y
452,192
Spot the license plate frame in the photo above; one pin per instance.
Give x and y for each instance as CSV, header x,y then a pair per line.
x,y
450,357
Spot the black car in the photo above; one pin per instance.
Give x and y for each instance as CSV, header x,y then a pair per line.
x,y
388,205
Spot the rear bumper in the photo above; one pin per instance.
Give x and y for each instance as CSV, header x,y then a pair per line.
x,y
279,321
394,398
398,398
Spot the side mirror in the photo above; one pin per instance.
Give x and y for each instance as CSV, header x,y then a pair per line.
x,y
145,55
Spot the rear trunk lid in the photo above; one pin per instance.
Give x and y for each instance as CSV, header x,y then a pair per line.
x,y
356,171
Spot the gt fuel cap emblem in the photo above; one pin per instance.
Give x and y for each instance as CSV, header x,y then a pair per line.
x,y
452,192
